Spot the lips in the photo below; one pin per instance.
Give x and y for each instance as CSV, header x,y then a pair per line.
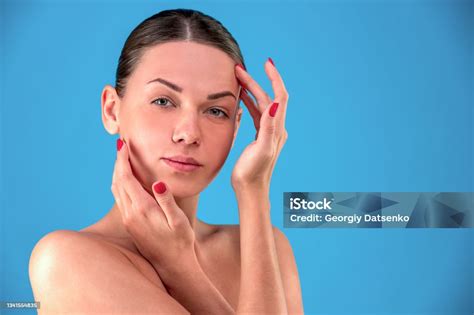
x,y
181,167
186,160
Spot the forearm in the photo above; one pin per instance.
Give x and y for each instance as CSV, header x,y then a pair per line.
x,y
192,288
261,287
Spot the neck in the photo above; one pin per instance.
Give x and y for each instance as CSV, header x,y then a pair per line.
x,y
189,206
113,223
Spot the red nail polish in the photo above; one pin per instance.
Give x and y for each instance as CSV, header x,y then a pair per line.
x,y
119,144
273,109
160,188
271,61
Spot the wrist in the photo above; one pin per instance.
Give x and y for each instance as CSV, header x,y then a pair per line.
x,y
242,189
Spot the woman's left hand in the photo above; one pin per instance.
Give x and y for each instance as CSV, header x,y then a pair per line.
x,y
255,165
159,228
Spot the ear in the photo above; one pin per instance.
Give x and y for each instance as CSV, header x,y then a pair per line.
x,y
238,117
110,103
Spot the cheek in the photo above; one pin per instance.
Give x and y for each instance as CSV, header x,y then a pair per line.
x,y
148,134
150,126
218,142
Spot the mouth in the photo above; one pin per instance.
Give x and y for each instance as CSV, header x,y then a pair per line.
x,y
181,166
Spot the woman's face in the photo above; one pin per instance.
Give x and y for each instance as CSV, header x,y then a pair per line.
x,y
180,100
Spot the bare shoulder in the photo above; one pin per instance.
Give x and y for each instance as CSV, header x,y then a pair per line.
x,y
225,238
71,272
228,231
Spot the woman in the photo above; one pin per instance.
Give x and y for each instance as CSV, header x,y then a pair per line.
x,y
175,106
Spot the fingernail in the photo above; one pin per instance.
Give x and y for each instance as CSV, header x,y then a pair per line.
x,y
241,67
273,109
160,188
271,61
119,144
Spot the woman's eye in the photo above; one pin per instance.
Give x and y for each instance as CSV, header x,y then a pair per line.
x,y
163,102
218,113
159,103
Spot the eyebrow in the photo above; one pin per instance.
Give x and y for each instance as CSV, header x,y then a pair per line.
x,y
180,89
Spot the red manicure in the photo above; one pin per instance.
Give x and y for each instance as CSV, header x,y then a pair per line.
x,y
273,109
160,188
271,61
119,144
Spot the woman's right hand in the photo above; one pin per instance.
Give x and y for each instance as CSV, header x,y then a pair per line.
x,y
159,228
255,165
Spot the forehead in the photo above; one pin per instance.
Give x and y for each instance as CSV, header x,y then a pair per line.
x,y
186,63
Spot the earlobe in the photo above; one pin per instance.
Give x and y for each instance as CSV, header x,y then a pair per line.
x,y
110,104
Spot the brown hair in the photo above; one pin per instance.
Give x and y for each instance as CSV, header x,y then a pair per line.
x,y
173,25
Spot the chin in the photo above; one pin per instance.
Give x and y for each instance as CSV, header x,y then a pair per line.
x,y
183,187
184,192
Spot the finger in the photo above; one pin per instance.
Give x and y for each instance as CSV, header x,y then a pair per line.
x,y
280,92
279,89
165,199
123,202
267,132
118,200
140,204
263,99
140,199
253,110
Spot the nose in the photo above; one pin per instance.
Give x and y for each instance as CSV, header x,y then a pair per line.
x,y
187,129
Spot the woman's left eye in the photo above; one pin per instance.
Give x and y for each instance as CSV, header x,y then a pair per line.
x,y
218,112
161,98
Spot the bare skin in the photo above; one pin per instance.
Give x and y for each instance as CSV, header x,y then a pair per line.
x,y
150,253
219,246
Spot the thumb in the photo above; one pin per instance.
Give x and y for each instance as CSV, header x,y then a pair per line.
x,y
165,198
268,125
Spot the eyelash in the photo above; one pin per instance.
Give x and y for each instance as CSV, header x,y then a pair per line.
x,y
165,98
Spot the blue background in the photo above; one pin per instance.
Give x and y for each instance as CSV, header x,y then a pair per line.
x,y
381,99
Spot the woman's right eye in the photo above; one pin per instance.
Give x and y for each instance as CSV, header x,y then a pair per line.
x,y
159,102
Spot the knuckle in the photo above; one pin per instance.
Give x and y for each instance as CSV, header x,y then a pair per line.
x,y
271,128
128,221
114,189
166,199
141,207
127,176
237,177
267,155
268,98
123,176
178,222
